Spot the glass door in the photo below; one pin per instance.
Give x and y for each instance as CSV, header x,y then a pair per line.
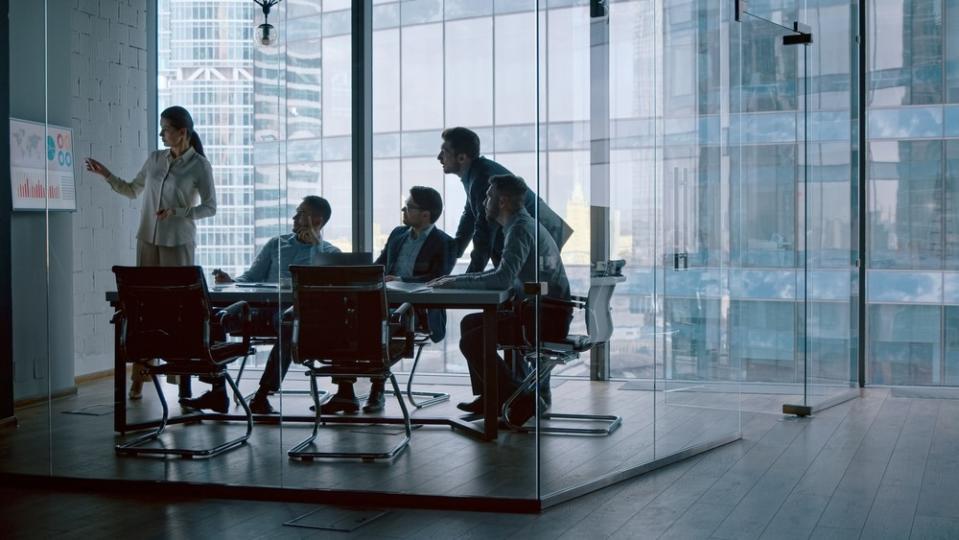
x,y
697,381
767,305
792,265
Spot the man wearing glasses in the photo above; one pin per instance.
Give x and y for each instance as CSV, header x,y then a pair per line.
x,y
418,251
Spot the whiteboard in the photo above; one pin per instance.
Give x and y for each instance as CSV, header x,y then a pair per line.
x,y
41,166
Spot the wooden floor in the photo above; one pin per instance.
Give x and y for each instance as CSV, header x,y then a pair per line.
x,y
876,467
439,461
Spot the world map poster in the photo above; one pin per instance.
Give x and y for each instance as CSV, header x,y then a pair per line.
x,y
41,166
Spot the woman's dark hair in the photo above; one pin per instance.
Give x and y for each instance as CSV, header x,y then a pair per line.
x,y
463,141
180,118
428,198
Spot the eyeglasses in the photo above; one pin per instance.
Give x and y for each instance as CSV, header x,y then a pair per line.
x,y
409,207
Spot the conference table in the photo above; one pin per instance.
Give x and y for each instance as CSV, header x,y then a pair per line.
x,y
267,296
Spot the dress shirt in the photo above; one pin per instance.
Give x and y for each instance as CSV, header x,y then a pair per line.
x,y
176,183
279,253
518,264
409,251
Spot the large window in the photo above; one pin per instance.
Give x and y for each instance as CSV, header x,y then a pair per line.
x,y
205,63
913,191
439,64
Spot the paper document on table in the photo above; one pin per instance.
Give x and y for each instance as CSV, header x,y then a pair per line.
x,y
408,287
256,285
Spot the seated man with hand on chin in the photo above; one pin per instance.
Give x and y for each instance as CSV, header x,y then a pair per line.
x,y
272,262
416,252
505,206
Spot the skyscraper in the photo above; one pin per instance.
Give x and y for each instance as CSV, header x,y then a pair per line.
x,y
205,63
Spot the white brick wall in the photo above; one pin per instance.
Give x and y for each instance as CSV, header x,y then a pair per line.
x,y
109,113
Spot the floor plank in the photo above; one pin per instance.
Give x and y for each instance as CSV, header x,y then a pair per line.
x,y
876,467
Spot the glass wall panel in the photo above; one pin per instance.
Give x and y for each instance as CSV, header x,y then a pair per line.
x,y
830,202
439,65
906,62
313,88
905,344
793,251
911,78
697,380
42,369
766,318
717,161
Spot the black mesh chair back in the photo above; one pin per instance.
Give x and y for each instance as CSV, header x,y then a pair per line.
x,y
166,312
340,315
342,327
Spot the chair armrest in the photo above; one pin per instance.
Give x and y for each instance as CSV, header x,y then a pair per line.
x,y
400,312
573,302
401,327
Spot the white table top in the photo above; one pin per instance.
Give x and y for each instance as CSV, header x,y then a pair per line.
x,y
425,297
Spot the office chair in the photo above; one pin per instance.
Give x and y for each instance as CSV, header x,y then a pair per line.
x,y
164,312
599,328
343,328
265,334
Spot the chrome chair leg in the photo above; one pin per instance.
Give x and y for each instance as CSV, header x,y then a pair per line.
x,y
239,375
432,397
607,423
299,451
407,424
248,397
129,448
134,447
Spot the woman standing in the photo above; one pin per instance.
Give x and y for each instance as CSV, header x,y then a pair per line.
x,y
179,190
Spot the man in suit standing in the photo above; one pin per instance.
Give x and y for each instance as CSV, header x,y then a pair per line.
x,y
417,251
460,155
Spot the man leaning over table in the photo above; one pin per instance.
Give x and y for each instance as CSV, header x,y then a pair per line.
x,y
273,262
504,205
418,251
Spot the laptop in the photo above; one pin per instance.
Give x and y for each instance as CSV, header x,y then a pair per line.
x,y
343,259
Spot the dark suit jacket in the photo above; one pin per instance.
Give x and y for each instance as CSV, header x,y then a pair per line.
x,y
436,258
487,238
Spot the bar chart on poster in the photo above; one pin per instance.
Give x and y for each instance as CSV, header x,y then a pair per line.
x,y
41,166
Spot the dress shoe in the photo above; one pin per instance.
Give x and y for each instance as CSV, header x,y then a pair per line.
x,y
375,402
476,406
347,404
261,405
521,410
214,400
